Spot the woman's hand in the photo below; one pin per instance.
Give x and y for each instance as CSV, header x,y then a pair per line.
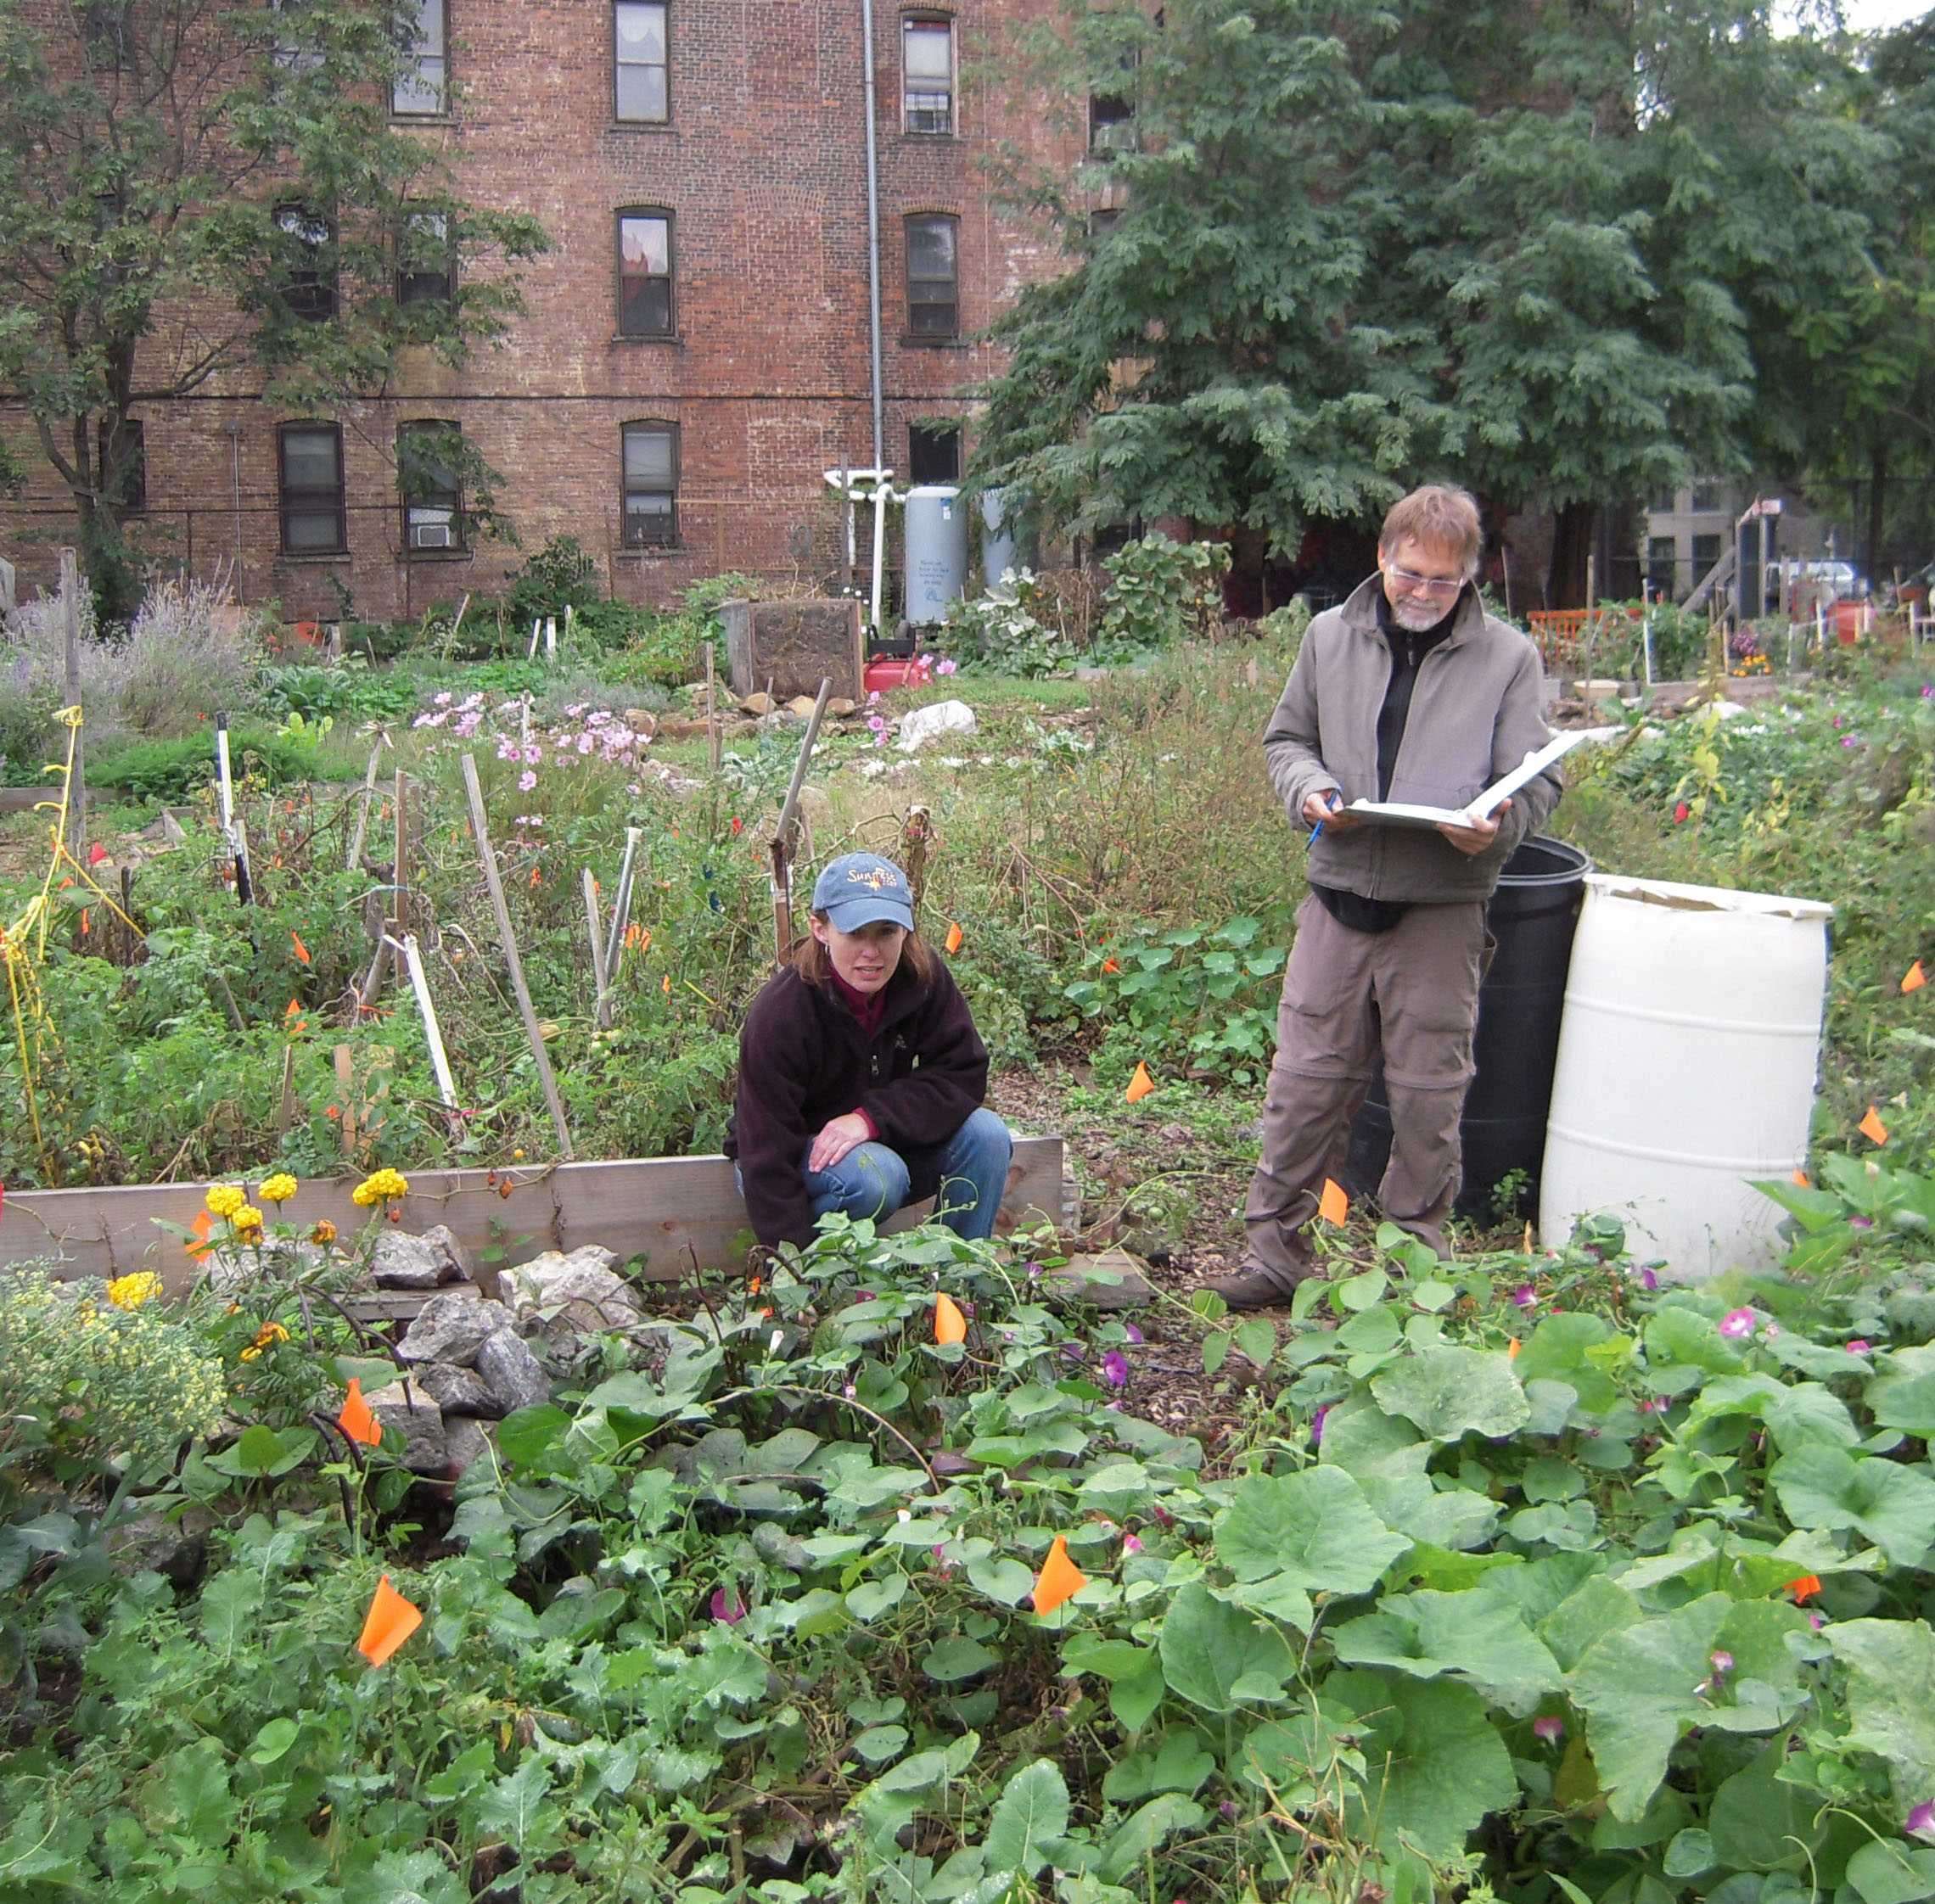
x,y
842,1136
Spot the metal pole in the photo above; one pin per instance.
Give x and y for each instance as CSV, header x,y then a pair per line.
x,y
881,491
873,266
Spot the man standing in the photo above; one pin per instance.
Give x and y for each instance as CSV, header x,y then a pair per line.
x,y
1409,691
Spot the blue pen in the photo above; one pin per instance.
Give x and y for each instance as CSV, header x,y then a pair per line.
x,y
1334,803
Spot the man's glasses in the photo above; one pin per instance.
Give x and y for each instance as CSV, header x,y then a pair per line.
x,y
1429,584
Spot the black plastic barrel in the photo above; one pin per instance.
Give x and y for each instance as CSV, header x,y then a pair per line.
x,y
1520,1003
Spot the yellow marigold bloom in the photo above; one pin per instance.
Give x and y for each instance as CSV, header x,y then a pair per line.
x,y
380,1187
130,1292
324,1232
224,1200
247,1217
268,1334
279,1188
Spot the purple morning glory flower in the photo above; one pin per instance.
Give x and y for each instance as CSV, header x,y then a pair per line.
x,y
1721,1662
1922,1818
1525,1297
1646,1278
1134,1333
1736,1324
1115,1369
1317,1427
1552,1729
1858,1347
1860,1222
731,1610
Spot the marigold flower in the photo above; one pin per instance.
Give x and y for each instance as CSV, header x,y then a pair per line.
x,y
224,1200
324,1232
279,1188
247,1218
380,1187
266,1337
130,1292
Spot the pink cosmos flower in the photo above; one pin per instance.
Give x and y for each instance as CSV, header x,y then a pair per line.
x,y
526,781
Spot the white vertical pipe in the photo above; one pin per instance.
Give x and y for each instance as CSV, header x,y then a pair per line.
x,y
873,266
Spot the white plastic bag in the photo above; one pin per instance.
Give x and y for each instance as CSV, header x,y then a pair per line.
x,y
929,724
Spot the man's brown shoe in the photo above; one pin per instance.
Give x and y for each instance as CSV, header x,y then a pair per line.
x,y
1254,1287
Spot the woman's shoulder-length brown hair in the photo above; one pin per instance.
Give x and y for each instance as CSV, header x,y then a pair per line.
x,y
810,962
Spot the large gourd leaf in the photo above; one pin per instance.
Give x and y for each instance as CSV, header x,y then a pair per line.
x,y
1477,1635
1315,1528
1447,1391
1891,1697
1825,1488
1210,1649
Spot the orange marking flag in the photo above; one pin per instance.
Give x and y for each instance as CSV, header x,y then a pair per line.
x,y
1333,1206
301,951
1140,1085
1872,1127
950,1325
355,1420
1805,1588
390,1621
954,936
1060,1578
1915,978
1801,1178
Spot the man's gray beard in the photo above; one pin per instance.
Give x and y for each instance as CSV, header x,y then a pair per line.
x,y
1415,619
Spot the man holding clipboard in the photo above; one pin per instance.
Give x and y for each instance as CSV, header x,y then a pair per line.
x,y
1407,705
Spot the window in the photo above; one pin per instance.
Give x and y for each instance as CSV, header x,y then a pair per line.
x,y
927,74
1664,502
1663,554
308,264
109,32
934,452
313,518
427,458
1112,122
1102,221
1706,553
645,274
933,287
418,88
1706,494
643,92
129,488
426,267
651,485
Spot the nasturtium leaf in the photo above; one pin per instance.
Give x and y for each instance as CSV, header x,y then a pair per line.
x,y
1827,1487
1029,1818
1006,1581
1314,1528
1207,1646
1477,1635
1435,1764
958,1659
1448,1392
879,1743
1143,1833
1639,1687
1891,1698
1886,1871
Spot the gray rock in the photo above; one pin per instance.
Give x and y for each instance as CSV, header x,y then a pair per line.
x,y
176,1547
584,1275
399,1261
413,1427
452,1328
448,1248
456,1391
466,1441
1112,1280
515,1376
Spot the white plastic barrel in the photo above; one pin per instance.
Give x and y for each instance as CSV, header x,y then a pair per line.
x,y
1000,547
937,551
1686,1067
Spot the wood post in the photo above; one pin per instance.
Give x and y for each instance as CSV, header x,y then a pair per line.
x,y
432,1033
712,711
594,925
354,857
76,836
481,826
783,844
345,1078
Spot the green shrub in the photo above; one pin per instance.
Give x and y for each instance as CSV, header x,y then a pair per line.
x,y
1160,592
560,575
171,771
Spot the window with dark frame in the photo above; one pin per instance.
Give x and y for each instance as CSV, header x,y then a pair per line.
x,y
426,265
131,490
934,452
1103,220
310,466
645,273
643,86
1662,566
427,456
309,271
927,74
1707,493
933,281
420,86
651,485
1706,553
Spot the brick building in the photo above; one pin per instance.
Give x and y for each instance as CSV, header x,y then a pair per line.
x,y
695,349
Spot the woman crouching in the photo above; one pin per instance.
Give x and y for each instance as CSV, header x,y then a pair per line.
x,y
862,1076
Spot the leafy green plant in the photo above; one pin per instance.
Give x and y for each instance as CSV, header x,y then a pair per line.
x,y
1161,593
999,633
559,575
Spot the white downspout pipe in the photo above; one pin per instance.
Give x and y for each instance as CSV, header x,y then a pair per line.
x,y
873,248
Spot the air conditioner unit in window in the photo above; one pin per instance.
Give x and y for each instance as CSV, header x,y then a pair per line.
x,y
432,536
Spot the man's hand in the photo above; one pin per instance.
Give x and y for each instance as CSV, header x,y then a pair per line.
x,y
1473,840
1327,810
842,1136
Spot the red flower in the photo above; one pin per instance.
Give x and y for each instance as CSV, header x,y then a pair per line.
x,y
1682,812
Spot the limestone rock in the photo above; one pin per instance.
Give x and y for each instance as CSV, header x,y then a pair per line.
x,y
641,720
1111,1280
466,1441
457,1390
452,1327
176,1547
451,1254
578,1291
514,1376
403,1262
413,1427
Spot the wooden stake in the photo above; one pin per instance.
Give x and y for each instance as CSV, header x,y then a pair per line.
x,y
355,858
77,836
285,1114
712,711
782,847
595,927
345,1078
433,1035
481,826
400,877
621,906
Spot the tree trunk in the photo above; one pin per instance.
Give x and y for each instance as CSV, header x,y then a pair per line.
x,y
1572,540
1877,491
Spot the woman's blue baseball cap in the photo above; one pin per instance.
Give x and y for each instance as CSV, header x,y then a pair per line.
x,y
861,889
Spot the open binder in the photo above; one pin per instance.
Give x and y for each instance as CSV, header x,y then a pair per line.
x,y
1397,813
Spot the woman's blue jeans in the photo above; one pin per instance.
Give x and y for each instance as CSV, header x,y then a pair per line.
x,y
967,1175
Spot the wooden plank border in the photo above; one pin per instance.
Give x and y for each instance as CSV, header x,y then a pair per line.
x,y
676,1212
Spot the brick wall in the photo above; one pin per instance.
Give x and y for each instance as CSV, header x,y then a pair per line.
x,y
762,166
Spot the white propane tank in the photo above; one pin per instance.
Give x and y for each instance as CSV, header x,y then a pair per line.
x,y
1686,1068
937,551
